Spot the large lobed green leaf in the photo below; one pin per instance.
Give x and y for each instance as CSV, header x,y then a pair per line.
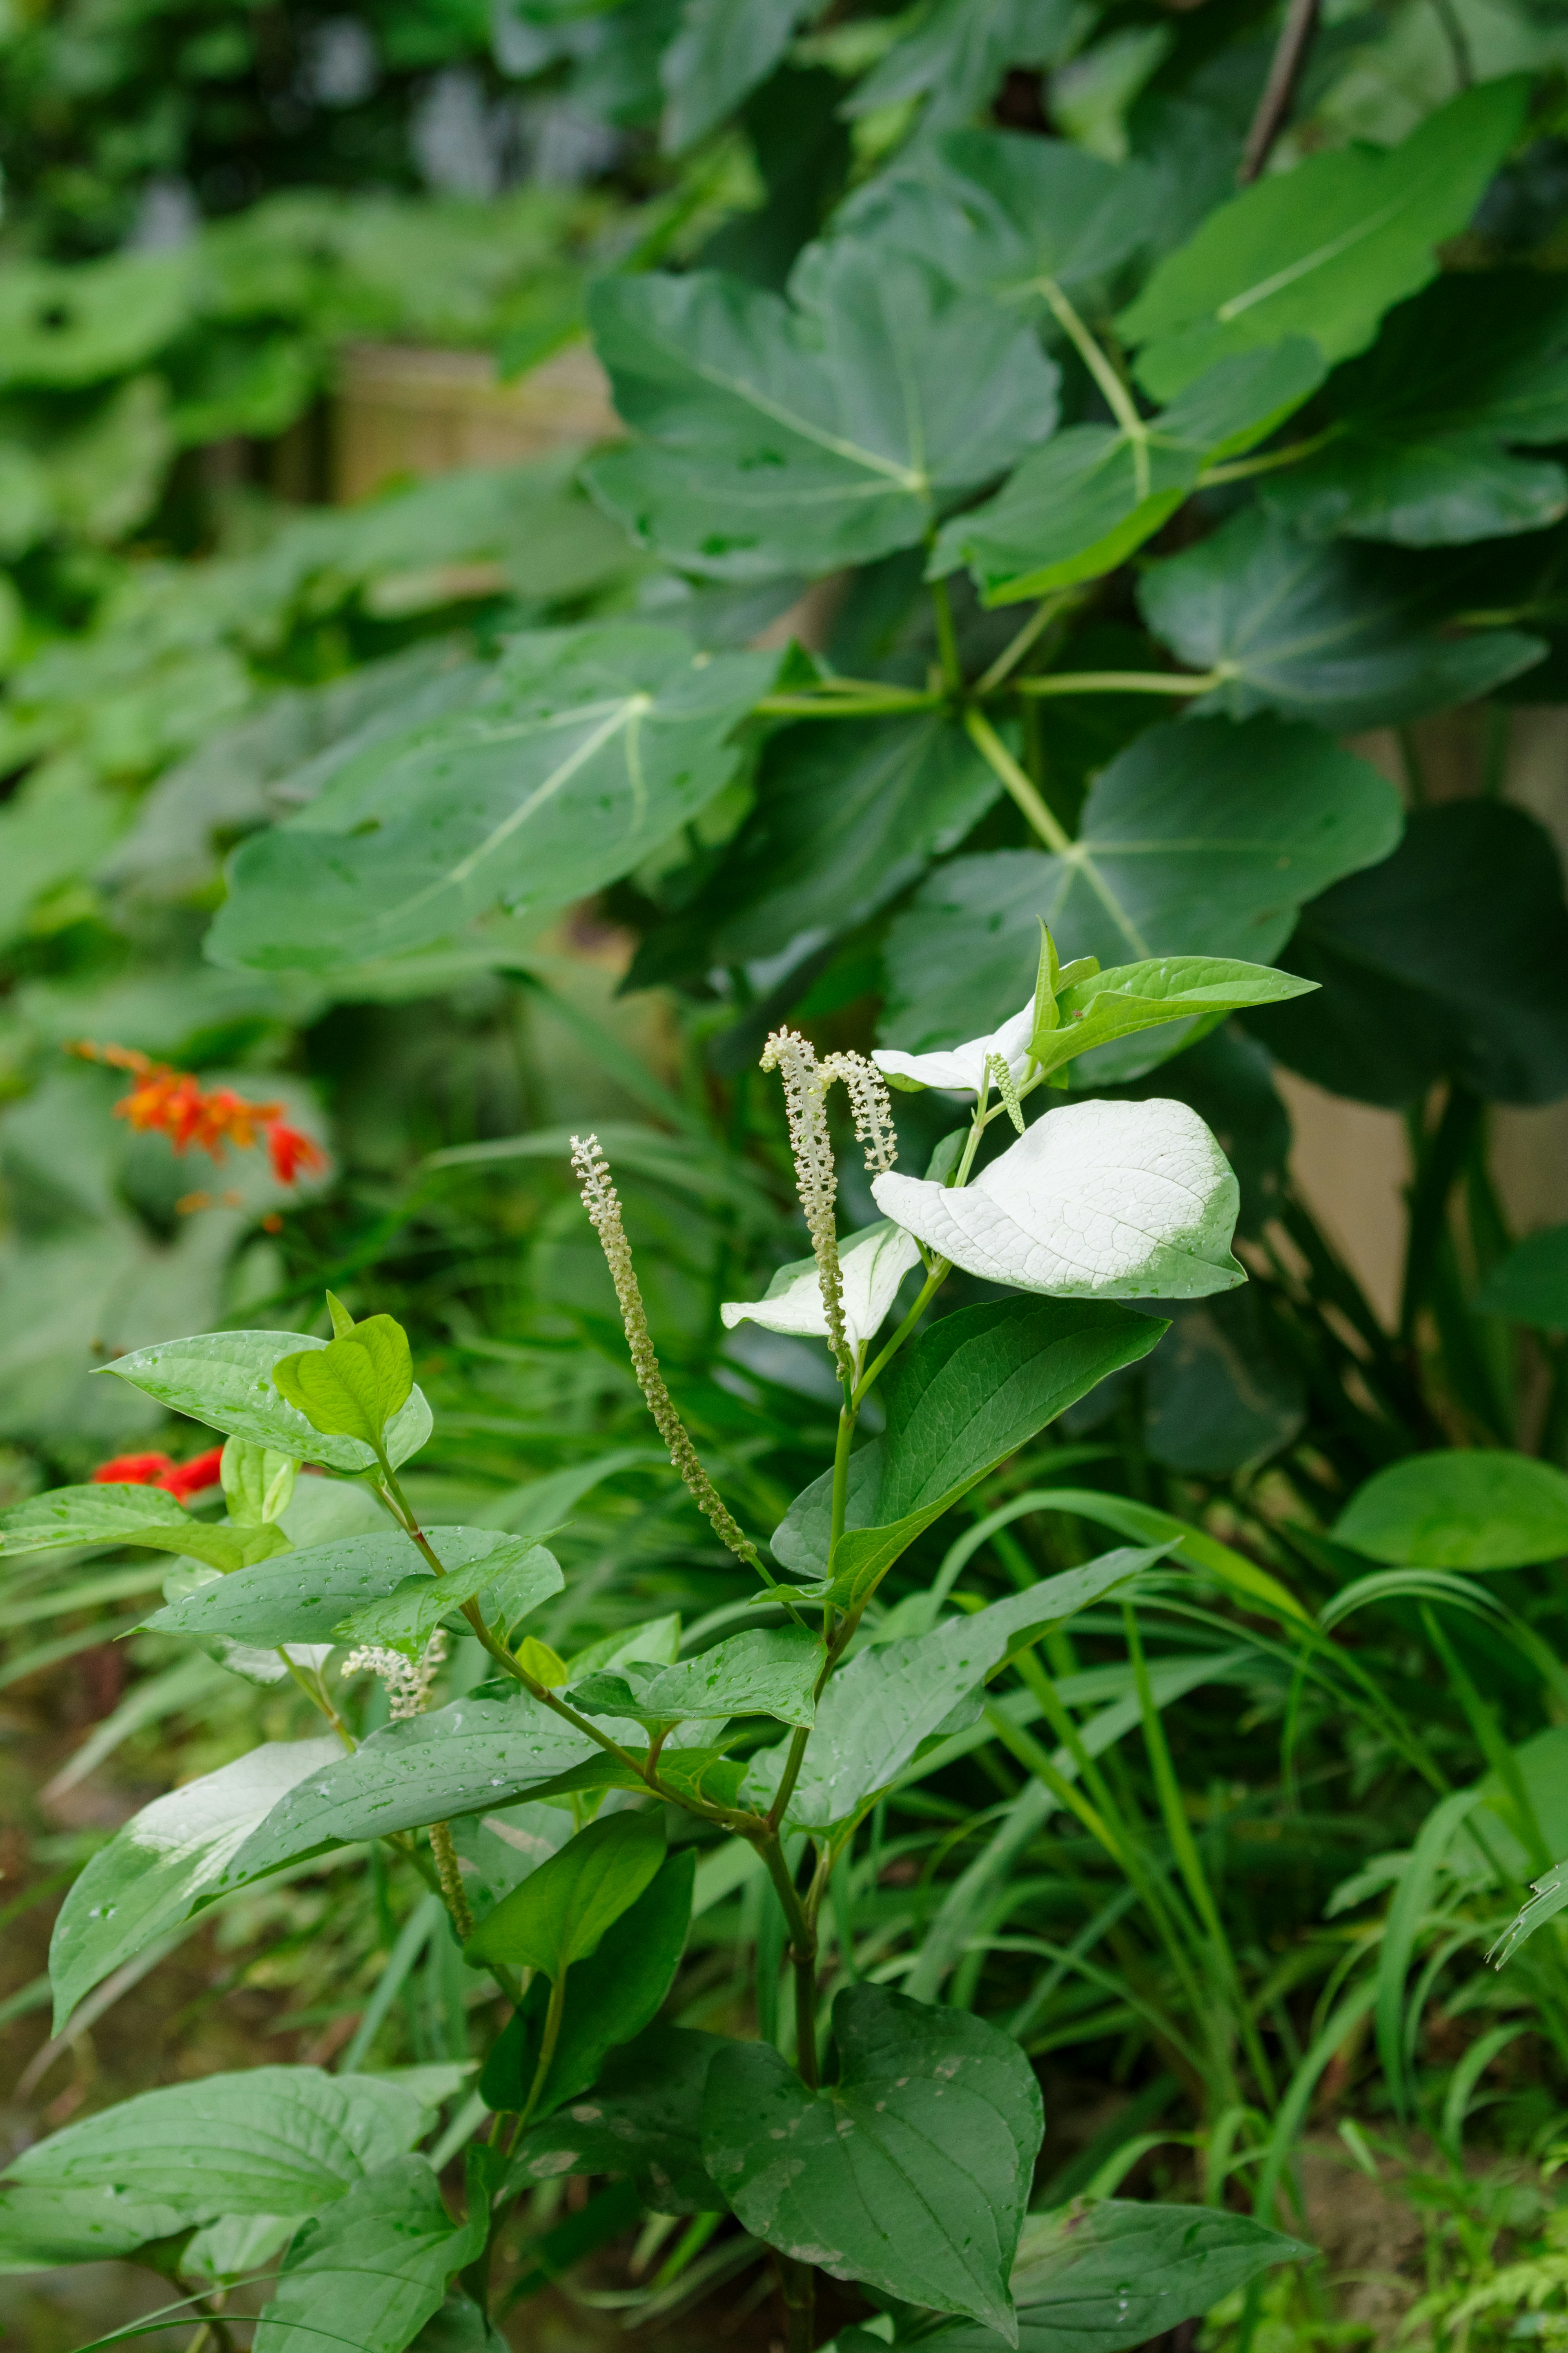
x,y
1006,210
1078,506
974,1387
1344,637
910,2172
1183,849
1325,249
1421,428
782,439
593,746
1398,1009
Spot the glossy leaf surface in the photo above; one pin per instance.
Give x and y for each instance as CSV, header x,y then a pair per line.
x,y
1121,2272
643,2118
877,1710
964,1397
371,2270
559,1912
225,1378
772,1673
150,1873
1177,856
271,2141
912,2172
1460,1510
466,1758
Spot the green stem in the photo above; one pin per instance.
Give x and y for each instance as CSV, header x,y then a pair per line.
x,y
1121,681
1118,399
803,1958
1239,469
396,1504
799,2283
1034,628
946,638
315,1690
933,1283
1022,786
551,2035
847,706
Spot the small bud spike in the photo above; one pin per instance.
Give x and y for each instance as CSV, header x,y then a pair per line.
x,y
815,1175
603,1206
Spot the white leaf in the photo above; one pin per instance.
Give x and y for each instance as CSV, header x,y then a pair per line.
x,y
963,1068
873,1263
1105,1200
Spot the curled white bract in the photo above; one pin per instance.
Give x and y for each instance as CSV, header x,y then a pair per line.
x,y
872,1263
963,1069
1098,1200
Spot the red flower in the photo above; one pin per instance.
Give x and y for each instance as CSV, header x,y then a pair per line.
x,y
192,1478
176,1104
134,1470
291,1152
180,1479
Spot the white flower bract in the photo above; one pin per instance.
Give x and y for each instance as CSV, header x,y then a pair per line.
x,y
961,1068
1097,1201
872,1263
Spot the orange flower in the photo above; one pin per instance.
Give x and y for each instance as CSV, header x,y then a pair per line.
x,y
176,1104
291,1152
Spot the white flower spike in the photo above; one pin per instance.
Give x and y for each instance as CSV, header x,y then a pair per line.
x,y
1097,1201
964,1069
872,1262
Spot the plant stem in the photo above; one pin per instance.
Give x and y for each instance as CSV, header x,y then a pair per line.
x,y
1034,628
1118,399
1240,469
874,1371
799,2281
1280,89
802,1955
1122,681
946,638
315,1690
847,706
1022,786
448,1872
548,2041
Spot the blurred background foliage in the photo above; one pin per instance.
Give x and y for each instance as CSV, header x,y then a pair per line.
x,y
210,209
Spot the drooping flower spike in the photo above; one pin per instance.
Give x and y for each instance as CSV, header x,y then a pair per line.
x,y
805,1085
174,1103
